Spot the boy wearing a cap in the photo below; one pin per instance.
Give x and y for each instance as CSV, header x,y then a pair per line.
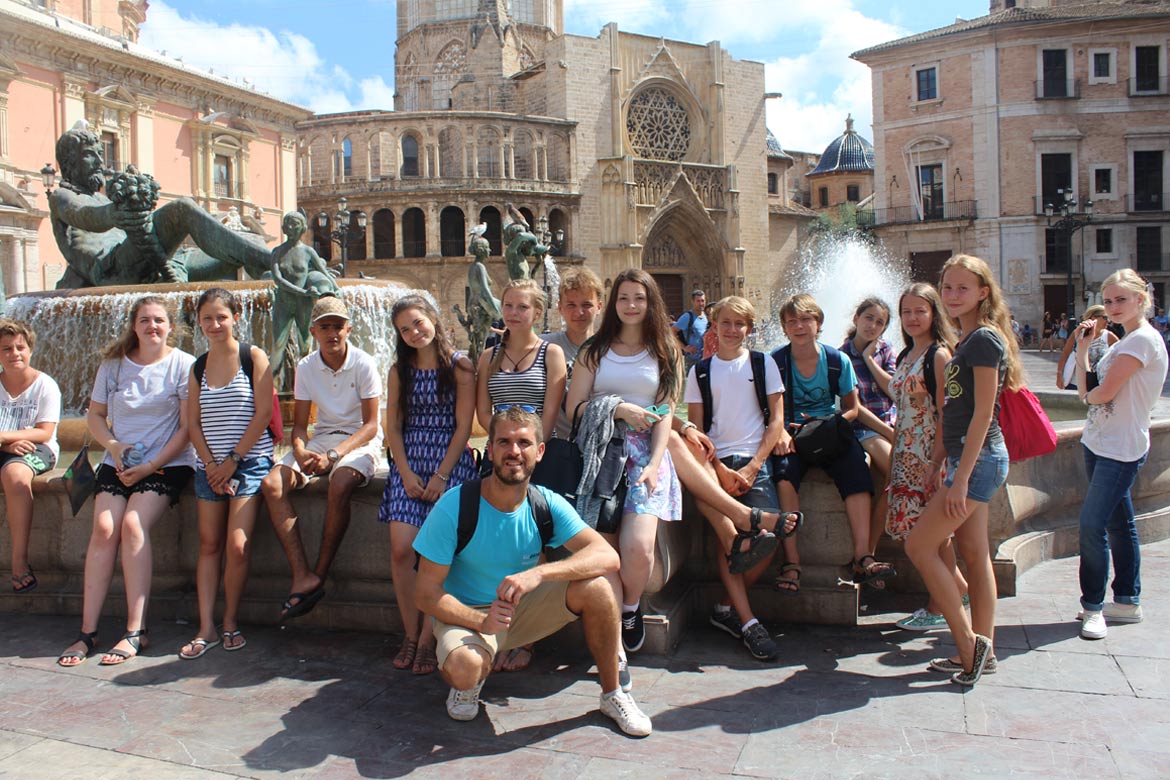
x,y
343,382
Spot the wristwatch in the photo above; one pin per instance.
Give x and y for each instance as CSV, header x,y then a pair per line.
x,y
235,456
333,455
688,424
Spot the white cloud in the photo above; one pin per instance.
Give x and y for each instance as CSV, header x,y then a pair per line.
x,y
284,64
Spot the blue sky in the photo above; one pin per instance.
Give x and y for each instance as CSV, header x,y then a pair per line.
x,y
339,55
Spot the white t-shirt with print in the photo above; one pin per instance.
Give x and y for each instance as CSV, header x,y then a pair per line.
x,y
1120,429
40,402
338,395
143,402
737,424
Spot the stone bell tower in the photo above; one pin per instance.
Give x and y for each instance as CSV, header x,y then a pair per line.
x,y
469,54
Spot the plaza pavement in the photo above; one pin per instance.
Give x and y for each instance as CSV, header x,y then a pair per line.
x,y
840,702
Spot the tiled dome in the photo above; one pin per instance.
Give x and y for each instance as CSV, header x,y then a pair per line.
x,y
849,152
775,149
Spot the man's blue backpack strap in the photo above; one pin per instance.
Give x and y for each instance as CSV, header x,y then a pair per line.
x,y
469,494
703,378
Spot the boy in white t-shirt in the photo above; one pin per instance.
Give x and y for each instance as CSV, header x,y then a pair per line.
x,y
722,399
30,408
342,382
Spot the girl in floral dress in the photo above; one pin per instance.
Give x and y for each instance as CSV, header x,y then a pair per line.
x,y
918,452
430,400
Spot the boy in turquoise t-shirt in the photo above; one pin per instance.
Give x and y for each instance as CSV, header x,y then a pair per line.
x,y
810,395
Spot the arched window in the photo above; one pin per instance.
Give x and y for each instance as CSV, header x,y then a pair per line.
x,y
527,214
322,241
414,233
495,236
488,141
451,153
346,158
452,229
558,221
409,156
383,234
357,238
450,65
522,154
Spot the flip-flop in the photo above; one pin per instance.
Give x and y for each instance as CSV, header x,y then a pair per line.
x,y
201,646
304,605
232,635
511,665
27,587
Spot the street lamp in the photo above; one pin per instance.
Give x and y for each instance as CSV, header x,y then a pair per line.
x,y
1067,216
344,232
49,177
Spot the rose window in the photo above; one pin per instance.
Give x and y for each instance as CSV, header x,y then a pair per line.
x,y
658,125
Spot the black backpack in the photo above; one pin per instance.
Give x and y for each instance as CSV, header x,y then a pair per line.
x,y
469,495
703,377
783,358
927,368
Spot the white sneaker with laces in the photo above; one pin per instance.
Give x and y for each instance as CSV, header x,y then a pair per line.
x,y
1093,624
620,706
1123,613
464,705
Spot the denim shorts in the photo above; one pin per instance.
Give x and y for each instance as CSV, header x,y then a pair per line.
x,y
861,434
988,476
249,472
763,492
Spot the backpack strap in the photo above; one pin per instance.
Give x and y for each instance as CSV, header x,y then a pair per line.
x,y
246,363
760,381
703,378
469,495
833,358
902,355
783,358
200,367
928,371
690,328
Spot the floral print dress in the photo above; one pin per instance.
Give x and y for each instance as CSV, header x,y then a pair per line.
x,y
914,433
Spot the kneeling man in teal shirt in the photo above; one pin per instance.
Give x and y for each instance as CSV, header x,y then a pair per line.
x,y
495,594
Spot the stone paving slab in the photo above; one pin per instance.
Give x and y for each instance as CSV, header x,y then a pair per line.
x,y
312,704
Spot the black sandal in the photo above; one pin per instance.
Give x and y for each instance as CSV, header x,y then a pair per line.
x,y
872,574
89,640
24,583
789,585
132,638
795,528
759,545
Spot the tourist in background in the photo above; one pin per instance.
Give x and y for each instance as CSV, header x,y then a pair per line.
x,y
30,408
1116,441
710,338
690,328
1102,339
138,414
635,356
986,359
230,411
523,368
917,388
430,399
1046,331
873,363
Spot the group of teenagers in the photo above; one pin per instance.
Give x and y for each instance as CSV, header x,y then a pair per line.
x,y
474,560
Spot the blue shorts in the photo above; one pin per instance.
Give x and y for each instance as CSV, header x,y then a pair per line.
x,y
249,472
861,434
850,472
988,476
763,492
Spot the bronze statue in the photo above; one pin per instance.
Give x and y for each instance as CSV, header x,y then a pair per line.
x,y
482,307
118,238
300,277
522,246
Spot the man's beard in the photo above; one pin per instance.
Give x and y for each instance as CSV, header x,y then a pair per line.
x,y
525,473
95,181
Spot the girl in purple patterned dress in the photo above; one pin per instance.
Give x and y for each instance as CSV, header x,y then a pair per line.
x,y
430,400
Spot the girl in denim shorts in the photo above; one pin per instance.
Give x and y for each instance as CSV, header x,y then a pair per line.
x,y
230,414
985,360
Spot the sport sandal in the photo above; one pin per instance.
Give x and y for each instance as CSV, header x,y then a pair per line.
x,y
751,548
790,585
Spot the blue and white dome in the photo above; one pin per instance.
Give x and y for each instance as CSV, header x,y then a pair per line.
x,y
848,152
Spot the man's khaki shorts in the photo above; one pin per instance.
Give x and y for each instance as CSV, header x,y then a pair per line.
x,y
540,613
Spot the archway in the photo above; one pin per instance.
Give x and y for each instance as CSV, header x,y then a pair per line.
x,y
414,233
383,234
451,232
683,242
490,215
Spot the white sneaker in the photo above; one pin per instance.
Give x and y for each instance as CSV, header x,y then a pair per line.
x,y
620,706
464,705
1123,613
1093,624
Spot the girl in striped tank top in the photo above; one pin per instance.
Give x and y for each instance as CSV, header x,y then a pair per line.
x,y
229,414
523,369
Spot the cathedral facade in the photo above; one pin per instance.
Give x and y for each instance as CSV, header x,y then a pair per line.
x,y
643,151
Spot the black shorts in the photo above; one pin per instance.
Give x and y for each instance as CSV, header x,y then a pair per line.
x,y
168,482
40,460
850,472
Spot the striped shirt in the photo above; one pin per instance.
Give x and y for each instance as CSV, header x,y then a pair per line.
x,y
521,387
225,413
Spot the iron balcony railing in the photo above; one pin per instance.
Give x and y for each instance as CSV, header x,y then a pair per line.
x,y
1058,89
931,212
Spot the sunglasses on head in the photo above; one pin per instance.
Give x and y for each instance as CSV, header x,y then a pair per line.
x,y
522,407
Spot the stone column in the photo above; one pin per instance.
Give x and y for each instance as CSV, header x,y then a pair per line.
x,y
399,231
501,159
15,281
433,244
511,161
438,162
475,159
